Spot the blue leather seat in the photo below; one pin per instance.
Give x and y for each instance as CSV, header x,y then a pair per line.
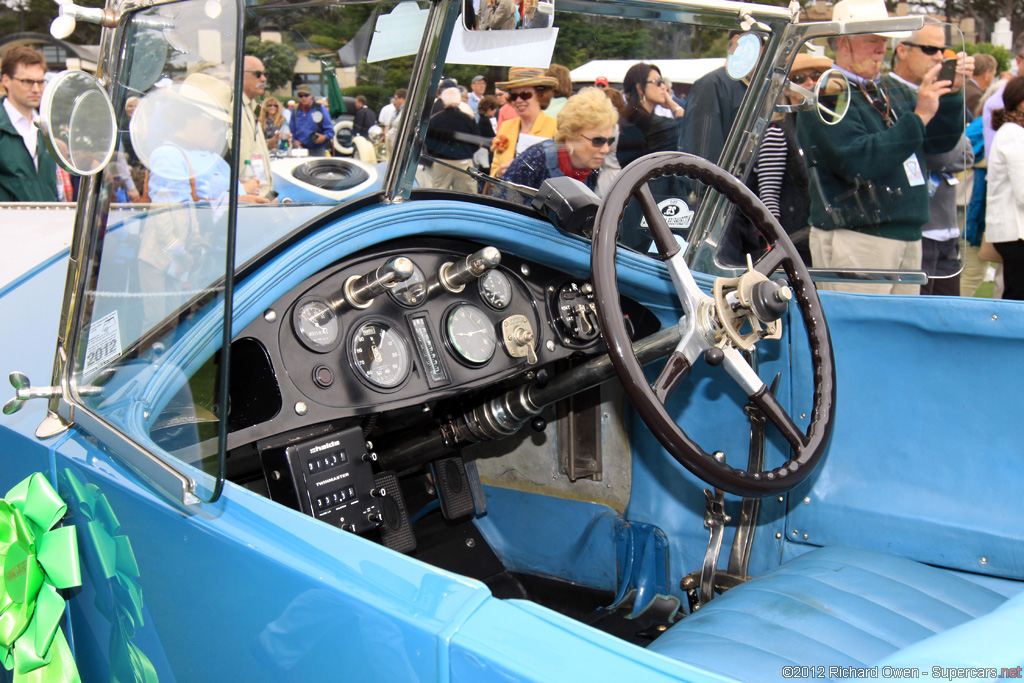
x,y
832,607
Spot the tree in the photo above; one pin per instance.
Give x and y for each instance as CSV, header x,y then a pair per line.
x,y
278,60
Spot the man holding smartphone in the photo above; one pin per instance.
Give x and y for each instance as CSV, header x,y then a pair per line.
x,y
868,178
914,58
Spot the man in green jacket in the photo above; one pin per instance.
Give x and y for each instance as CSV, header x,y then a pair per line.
x,y
868,179
27,172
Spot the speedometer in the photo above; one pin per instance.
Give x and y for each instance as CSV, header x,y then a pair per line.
x,y
379,355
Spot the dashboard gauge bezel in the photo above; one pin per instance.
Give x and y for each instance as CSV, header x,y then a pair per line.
x,y
496,272
403,286
303,337
350,354
453,347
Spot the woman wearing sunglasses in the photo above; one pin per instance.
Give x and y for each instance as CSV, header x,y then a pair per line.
x,y
585,135
529,92
274,124
643,131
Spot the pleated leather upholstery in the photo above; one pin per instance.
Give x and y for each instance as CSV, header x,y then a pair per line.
x,y
830,607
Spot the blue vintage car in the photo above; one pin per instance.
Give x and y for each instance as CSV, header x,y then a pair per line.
x,y
498,433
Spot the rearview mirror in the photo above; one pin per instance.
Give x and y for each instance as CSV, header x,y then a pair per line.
x,y
504,15
78,123
832,96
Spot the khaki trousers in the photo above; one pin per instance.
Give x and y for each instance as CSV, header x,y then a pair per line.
x,y
849,249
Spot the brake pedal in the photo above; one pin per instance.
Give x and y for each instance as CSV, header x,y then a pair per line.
x,y
395,529
453,487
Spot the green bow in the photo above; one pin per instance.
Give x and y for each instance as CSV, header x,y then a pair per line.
x,y
111,563
37,561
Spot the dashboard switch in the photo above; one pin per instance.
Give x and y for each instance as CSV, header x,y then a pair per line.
x,y
361,291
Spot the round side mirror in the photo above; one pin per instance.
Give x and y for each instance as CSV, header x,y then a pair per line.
x,y
744,58
78,123
832,96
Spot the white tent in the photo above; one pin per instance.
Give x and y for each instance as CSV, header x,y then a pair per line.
x,y
679,70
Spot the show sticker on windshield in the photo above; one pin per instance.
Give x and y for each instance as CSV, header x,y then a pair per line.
x,y
104,343
677,214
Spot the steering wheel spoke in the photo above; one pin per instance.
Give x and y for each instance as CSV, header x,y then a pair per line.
x,y
701,326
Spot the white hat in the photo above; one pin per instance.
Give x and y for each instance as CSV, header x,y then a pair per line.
x,y
865,10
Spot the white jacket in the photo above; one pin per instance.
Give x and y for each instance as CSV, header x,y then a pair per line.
x,y
1004,202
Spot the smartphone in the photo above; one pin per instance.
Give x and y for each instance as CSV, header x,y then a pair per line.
x,y
948,70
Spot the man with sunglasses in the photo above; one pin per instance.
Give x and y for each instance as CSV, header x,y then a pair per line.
x,y
913,58
868,176
311,123
252,142
27,172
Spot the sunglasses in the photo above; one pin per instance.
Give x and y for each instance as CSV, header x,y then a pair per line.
x,y
804,75
305,94
657,81
600,142
257,74
271,106
601,85
524,96
929,50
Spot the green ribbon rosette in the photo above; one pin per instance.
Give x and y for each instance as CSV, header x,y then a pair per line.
x,y
37,561
111,564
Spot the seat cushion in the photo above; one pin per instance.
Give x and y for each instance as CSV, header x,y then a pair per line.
x,y
832,607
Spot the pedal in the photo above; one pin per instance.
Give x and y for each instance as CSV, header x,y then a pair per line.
x,y
453,487
395,529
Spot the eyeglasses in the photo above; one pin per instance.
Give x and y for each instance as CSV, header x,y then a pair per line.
x,y
600,142
257,74
930,50
657,81
524,96
804,75
305,94
30,82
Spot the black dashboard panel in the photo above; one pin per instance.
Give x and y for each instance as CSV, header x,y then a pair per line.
x,y
416,343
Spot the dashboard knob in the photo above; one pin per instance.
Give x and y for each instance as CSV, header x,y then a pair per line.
x,y
361,291
454,276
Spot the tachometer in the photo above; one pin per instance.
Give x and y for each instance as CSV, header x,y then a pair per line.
x,y
379,355
316,325
470,334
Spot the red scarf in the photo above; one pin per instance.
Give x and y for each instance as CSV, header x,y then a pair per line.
x,y
566,167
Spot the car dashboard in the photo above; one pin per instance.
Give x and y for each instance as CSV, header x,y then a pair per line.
x,y
393,341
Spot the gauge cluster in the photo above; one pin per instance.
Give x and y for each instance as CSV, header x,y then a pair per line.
x,y
416,323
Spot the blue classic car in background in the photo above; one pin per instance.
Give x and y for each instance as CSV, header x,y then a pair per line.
x,y
437,436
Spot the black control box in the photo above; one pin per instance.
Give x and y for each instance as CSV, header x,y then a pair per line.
x,y
328,477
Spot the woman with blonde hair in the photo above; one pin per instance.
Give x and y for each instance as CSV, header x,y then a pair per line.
x,y
529,92
584,135
274,125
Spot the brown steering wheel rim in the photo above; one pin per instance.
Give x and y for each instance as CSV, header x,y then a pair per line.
x,y
809,446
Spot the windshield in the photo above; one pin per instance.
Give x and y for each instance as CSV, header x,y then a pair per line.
x,y
313,108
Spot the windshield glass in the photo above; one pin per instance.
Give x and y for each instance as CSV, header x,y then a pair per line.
x,y
332,103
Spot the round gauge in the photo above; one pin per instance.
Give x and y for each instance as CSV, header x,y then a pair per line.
x,y
495,289
411,292
379,355
470,334
316,325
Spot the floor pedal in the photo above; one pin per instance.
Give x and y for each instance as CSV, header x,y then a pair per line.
x,y
395,530
453,487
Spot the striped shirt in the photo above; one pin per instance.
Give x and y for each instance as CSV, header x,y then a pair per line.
x,y
771,165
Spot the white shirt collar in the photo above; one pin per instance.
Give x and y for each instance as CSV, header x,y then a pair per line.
x,y
912,86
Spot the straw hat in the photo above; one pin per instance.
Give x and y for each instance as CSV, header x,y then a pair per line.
x,y
865,10
806,61
521,76
211,95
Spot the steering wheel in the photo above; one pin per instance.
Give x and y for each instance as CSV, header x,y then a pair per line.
x,y
709,326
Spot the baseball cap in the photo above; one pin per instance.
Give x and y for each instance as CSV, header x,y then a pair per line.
x,y
478,77
303,89
601,80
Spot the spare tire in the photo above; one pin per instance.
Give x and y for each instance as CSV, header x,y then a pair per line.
x,y
330,173
343,138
